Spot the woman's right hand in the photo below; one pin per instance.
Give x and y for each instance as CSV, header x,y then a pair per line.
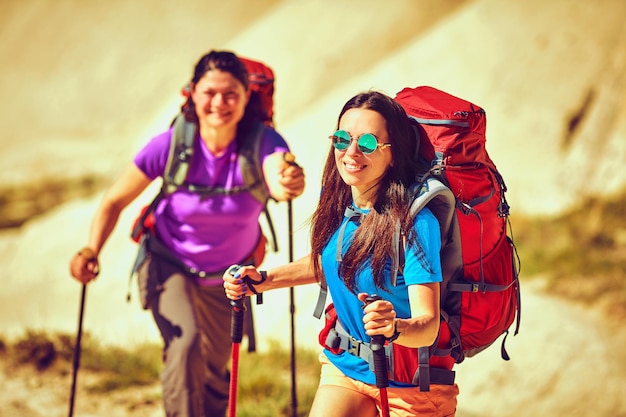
x,y
84,265
235,280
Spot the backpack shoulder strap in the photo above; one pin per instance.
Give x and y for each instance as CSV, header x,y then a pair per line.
x,y
180,155
176,168
430,193
250,163
252,173
433,194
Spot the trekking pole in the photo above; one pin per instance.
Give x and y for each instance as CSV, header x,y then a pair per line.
x,y
236,334
76,360
377,344
290,159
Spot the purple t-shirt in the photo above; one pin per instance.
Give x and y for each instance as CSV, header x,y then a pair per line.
x,y
213,233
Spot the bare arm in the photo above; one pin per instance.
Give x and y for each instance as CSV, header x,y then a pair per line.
x,y
419,330
299,272
122,192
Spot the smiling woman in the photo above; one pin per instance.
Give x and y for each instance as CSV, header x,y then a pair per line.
x,y
368,173
183,255
217,102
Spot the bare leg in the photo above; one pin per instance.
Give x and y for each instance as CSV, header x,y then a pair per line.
x,y
336,401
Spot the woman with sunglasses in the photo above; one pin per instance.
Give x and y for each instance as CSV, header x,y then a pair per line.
x,y
365,193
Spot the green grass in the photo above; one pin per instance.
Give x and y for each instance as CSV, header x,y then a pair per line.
x,y
118,368
581,253
264,378
265,382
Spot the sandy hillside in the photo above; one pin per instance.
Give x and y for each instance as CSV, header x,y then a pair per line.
x,y
83,86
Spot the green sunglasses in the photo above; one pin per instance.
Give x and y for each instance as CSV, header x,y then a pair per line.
x,y
367,142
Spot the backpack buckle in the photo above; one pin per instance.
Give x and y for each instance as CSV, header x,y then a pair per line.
x,y
354,347
436,170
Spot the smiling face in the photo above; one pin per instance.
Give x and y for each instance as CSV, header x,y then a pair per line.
x,y
220,99
360,171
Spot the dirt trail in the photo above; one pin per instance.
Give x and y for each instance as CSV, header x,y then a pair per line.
x,y
565,358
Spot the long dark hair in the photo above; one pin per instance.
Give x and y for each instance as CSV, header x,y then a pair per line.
x,y
228,62
372,241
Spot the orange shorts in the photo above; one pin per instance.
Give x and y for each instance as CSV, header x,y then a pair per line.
x,y
403,402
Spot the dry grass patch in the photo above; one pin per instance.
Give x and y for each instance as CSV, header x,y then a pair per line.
x,y
582,252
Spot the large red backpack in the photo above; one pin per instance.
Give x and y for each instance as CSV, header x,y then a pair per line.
x,y
480,296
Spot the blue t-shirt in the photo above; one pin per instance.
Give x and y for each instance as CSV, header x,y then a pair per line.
x,y
208,234
350,309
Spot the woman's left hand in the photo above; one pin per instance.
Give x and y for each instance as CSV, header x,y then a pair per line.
x,y
235,281
292,181
379,317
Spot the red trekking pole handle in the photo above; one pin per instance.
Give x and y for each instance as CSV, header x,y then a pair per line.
x,y
377,344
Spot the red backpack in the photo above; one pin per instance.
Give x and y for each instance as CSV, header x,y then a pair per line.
x,y
480,295
459,183
261,79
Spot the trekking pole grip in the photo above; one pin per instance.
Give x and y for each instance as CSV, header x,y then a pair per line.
x,y
236,322
377,344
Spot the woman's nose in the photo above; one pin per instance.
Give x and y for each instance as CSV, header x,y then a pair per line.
x,y
218,100
353,148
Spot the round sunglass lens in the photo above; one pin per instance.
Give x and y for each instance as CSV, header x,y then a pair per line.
x,y
367,143
341,140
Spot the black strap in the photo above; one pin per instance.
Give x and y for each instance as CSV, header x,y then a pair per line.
x,y
424,376
423,369
251,283
466,286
